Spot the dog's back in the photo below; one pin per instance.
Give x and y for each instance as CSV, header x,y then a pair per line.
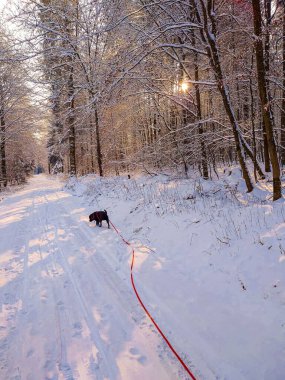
x,y
99,216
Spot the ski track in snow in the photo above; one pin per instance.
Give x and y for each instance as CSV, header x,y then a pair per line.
x,y
65,313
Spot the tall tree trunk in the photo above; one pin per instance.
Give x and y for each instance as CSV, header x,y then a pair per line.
x,y
252,116
57,125
3,148
265,149
282,142
69,43
71,124
91,145
267,8
98,141
205,172
264,99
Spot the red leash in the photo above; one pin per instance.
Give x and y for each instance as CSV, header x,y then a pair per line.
x,y
147,312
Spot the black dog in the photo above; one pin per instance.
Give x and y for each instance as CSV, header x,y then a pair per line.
x,y
98,216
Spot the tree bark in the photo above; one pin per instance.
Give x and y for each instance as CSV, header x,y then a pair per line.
x,y
98,141
264,98
252,116
68,43
204,161
282,137
205,172
71,124
267,8
3,148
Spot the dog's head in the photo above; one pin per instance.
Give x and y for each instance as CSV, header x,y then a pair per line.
x,y
91,217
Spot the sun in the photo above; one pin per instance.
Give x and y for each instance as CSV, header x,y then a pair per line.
x,y
184,86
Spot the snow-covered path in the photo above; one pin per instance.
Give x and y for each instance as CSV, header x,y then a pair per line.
x,y
65,312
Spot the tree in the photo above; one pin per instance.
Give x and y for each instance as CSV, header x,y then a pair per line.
x,y
15,115
265,100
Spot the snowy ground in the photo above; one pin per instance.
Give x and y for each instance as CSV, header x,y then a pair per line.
x,y
214,279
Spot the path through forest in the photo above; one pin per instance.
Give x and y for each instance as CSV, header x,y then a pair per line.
x,y
65,313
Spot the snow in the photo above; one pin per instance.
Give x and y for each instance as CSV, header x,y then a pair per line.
x,y
210,263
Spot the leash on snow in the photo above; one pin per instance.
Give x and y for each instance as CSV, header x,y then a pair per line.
x,y
146,310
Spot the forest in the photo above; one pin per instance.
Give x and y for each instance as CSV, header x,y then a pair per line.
x,y
142,161
122,86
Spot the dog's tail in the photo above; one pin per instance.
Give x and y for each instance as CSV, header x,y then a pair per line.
x,y
107,219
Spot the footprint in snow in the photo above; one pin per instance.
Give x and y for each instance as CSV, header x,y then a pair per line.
x,y
108,307
77,327
135,353
9,299
30,353
67,371
60,305
44,297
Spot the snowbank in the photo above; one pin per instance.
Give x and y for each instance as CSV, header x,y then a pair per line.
x,y
210,266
